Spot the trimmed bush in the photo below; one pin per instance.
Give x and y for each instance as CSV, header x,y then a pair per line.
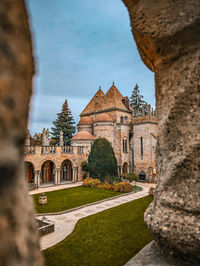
x,y
90,182
106,186
102,161
123,187
130,177
84,168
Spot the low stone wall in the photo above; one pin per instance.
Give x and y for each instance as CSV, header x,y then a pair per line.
x,y
45,227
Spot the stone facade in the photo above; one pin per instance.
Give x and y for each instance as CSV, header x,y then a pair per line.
x,y
132,135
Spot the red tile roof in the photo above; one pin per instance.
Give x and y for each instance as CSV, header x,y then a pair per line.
x,y
83,135
85,121
104,118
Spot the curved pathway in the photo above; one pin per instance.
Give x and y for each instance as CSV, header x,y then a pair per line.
x,y
65,223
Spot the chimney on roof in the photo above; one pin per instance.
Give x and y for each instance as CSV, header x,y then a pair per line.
x,y
125,101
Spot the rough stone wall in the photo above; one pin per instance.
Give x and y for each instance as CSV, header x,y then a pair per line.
x,y
147,131
19,239
168,39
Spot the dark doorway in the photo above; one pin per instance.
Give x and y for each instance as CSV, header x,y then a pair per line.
x,y
142,176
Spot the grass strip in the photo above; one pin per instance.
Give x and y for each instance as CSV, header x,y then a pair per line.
x,y
69,198
111,237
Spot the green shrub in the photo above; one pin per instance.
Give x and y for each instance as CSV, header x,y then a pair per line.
x,y
130,177
102,161
84,175
84,166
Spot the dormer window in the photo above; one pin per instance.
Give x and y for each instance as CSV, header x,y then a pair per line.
x,y
126,118
121,120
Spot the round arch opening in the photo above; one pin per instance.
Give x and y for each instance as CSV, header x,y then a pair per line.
x,y
48,172
125,168
66,171
29,172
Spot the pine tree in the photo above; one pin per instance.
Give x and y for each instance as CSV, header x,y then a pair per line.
x,y
102,161
136,100
64,122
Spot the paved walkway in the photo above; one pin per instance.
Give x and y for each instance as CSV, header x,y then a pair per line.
x,y
65,223
52,188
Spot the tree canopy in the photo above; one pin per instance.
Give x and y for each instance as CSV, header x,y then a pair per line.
x,y
64,123
36,140
136,99
102,161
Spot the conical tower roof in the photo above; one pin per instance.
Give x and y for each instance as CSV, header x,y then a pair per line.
x,y
95,102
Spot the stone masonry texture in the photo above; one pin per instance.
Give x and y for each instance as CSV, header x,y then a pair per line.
x,y
18,235
168,39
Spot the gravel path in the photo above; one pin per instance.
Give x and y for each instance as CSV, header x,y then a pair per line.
x,y
65,223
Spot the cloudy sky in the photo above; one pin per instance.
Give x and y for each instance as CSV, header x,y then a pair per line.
x,y
80,45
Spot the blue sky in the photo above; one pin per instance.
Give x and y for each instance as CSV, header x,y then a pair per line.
x,y
80,45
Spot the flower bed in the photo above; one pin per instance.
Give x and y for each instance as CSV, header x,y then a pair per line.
x,y
123,187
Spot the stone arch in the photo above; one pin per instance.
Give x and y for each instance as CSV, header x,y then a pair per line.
x,y
66,171
29,170
125,168
48,158
48,172
142,175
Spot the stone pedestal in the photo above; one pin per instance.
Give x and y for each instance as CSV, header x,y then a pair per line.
x,y
43,199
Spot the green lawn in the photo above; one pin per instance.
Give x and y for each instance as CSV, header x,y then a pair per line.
x,y
111,237
69,198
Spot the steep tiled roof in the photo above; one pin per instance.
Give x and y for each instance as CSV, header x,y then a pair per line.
x,y
85,120
97,98
83,135
100,101
104,118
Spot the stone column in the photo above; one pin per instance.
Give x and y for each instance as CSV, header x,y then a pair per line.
x,y
167,35
75,174
57,178
35,177
120,170
37,174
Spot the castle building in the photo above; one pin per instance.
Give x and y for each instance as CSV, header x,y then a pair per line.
x,y
132,135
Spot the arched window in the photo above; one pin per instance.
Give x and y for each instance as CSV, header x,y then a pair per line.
x,y
125,145
141,147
